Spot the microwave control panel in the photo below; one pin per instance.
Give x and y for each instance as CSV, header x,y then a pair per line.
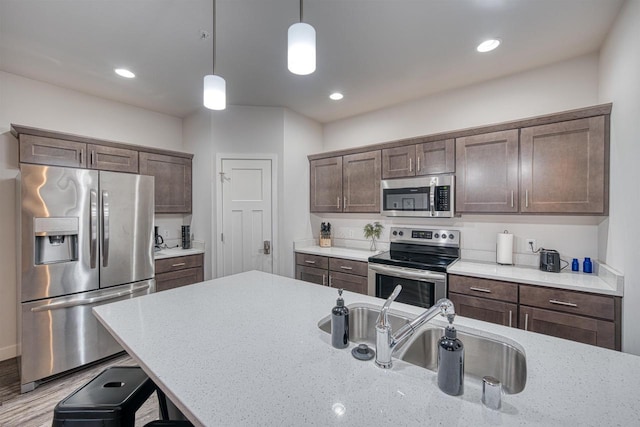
x,y
442,197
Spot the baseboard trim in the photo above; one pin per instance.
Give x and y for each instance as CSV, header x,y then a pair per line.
x,y
8,352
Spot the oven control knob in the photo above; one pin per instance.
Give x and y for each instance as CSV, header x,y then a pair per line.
x,y
436,235
451,236
395,233
400,233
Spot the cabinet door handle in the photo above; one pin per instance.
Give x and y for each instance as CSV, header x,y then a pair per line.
x,y
338,202
418,164
526,321
567,304
308,261
80,157
330,285
510,317
486,291
91,160
344,205
180,264
324,280
511,198
344,267
526,198
410,165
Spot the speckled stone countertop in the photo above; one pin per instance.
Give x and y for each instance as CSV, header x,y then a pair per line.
x,y
246,350
176,252
576,281
338,252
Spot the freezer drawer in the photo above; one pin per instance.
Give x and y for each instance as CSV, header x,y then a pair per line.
x,y
60,334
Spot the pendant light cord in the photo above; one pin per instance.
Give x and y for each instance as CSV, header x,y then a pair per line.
x,y
213,59
301,8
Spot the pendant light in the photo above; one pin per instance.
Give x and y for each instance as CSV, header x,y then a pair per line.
x,y
215,88
301,57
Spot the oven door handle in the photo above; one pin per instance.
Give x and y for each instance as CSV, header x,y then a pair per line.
x,y
408,273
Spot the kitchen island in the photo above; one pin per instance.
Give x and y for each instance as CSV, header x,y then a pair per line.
x,y
246,350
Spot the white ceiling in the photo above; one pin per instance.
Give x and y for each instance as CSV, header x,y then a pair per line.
x,y
378,52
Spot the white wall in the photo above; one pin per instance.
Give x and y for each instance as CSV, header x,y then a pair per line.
x,y
620,84
561,86
302,137
32,103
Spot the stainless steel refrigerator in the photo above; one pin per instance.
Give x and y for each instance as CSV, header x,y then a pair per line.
x,y
86,239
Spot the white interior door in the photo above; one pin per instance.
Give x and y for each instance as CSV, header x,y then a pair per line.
x,y
246,215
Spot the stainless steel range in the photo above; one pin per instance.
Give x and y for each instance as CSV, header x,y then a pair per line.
x,y
417,260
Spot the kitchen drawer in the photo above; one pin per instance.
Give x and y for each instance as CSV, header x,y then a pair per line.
x,y
340,265
312,274
348,282
175,279
499,312
485,288
568,301
178,263
316,261
586,330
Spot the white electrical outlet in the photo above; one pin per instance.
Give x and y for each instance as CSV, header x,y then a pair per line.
x,y
531,245
166,233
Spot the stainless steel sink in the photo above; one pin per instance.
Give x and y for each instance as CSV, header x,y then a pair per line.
x,y
362,323
482,356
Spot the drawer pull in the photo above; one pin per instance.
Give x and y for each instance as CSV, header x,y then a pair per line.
x,y
180,264
486,291
330,284
308,261
568,304
344,267
324,280
510,317
526,321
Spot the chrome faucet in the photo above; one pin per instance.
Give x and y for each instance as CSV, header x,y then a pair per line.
x,y
386,342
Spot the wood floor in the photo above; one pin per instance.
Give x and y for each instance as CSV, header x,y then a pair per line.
x,y
35,409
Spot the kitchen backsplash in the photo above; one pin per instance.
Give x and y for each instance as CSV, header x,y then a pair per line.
x,y
573,237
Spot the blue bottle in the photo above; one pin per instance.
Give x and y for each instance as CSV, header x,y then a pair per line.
x,y
587,267
575,265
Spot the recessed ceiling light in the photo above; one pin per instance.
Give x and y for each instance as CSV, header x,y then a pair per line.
x,y
123,72
488,45
336,96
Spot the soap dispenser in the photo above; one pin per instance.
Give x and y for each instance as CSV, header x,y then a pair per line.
x,y
451,361
340,323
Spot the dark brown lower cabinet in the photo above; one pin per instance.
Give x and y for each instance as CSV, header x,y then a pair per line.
x,y
502,313
586,330
179,271
311,274
338,273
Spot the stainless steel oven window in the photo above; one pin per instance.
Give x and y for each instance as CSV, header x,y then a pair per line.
x,y
419,287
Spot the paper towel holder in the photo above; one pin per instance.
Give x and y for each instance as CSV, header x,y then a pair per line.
x,y
504,248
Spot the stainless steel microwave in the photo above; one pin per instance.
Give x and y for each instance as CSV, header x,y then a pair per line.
x,y
430,196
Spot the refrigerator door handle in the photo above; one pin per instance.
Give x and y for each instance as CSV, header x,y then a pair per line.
x,y
105,228
88,301
93,226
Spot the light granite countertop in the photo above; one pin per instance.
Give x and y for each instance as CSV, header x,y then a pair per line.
x,y
576,281
176,252
339,252
246,350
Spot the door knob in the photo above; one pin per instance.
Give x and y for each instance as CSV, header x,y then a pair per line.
x,y
267,247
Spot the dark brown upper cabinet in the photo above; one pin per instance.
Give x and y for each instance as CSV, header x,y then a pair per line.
x,y
428,158
112,159
172,181
348,183
52,151
487,173
326,185
564,167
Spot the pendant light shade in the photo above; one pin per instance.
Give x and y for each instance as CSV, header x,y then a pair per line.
x,y
301,49
215,92
215,88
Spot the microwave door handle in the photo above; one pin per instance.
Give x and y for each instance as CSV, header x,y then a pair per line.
x,y
432,199
105,228
93,228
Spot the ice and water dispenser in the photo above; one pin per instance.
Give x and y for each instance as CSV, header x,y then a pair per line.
x,y
56,240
